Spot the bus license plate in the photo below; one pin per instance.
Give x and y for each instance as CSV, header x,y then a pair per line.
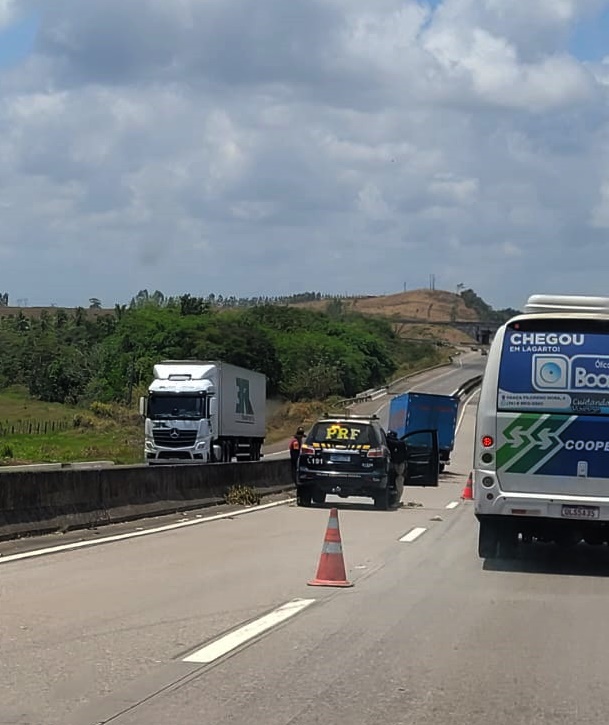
x,y
580,512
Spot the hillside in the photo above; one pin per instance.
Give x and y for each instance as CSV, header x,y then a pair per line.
x,y
422,314
409,310
423,304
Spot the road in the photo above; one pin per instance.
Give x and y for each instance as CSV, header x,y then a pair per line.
x,y
443,381
427,634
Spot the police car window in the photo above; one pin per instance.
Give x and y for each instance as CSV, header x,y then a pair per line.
x,y
344,433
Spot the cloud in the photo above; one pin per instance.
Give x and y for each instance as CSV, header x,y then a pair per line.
x,y
269,147
8,12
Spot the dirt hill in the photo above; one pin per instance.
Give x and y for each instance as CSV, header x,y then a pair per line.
x,y
409,309
425,305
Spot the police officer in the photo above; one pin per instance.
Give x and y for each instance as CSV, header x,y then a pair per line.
x,y
295,446
397,471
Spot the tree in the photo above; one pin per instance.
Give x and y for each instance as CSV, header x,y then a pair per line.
x,y
94,303
193,305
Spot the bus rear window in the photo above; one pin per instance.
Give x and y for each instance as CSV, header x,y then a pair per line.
x,y
550,368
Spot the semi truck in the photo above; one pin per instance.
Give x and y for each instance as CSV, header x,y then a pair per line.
x,y
426,411
205,411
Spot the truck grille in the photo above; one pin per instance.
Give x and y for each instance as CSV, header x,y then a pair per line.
x,y
174,437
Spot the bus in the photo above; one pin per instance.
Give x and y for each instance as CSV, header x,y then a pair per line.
x,y
541,454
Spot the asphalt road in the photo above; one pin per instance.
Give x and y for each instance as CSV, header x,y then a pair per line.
x,y
427,634
443,381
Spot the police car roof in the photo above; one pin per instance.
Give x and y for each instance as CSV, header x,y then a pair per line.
x,y
348,417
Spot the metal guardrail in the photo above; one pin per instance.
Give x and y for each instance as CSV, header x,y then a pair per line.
x,y
375,393
469,386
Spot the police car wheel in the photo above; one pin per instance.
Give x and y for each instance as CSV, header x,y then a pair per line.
x,y
303,498
382,500
319,497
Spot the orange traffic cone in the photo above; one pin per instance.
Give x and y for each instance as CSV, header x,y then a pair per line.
x,y
468,493
331,570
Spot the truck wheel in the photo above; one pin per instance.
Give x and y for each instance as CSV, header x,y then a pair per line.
x,y
442,467
319,497
488,540
382,500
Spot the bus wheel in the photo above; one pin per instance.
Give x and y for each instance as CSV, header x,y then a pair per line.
x,y
488,540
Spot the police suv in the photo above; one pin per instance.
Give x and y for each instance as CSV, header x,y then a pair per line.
x,y
353,456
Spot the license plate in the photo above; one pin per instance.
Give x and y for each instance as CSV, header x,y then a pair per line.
x,y
340,459
580,512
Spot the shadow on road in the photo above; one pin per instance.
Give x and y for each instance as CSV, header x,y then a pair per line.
x,y
581,560
353,506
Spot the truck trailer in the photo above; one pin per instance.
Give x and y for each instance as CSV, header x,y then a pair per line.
x,y
419,411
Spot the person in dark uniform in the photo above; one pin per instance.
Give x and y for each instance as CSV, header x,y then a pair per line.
x,y
397,473
295,446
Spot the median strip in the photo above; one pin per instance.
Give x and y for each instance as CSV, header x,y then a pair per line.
x,y
413,535
231,641
136,534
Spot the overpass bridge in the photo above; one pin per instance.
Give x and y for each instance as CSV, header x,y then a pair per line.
x,y
482,330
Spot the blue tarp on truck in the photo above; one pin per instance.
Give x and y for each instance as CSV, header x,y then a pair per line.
x,y
425,411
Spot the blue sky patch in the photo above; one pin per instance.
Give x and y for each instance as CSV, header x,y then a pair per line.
x,y
17,41
590,38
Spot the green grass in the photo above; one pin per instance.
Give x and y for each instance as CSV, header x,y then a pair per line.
x,y
114,433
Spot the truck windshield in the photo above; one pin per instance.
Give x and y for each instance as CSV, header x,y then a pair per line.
x,y
164,407
552,366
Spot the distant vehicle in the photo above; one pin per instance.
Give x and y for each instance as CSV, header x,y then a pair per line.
x,y
541,458
205,411
418,411
473,348
483,352
352,456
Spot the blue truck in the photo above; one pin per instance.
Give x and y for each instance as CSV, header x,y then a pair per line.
x,y
411,412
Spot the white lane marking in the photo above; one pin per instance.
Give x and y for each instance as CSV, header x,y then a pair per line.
x,y
379,410
413,534
231,641
277,453
452,505
135,534
465,404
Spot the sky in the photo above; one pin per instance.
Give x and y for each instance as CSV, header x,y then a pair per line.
x,y
266,147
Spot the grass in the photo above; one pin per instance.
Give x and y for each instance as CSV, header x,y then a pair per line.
x,y
101,432
286,417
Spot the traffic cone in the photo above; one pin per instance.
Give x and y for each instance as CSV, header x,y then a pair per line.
x,y
331,570
468,493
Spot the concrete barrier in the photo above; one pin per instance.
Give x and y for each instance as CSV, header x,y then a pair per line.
x,y
36,502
